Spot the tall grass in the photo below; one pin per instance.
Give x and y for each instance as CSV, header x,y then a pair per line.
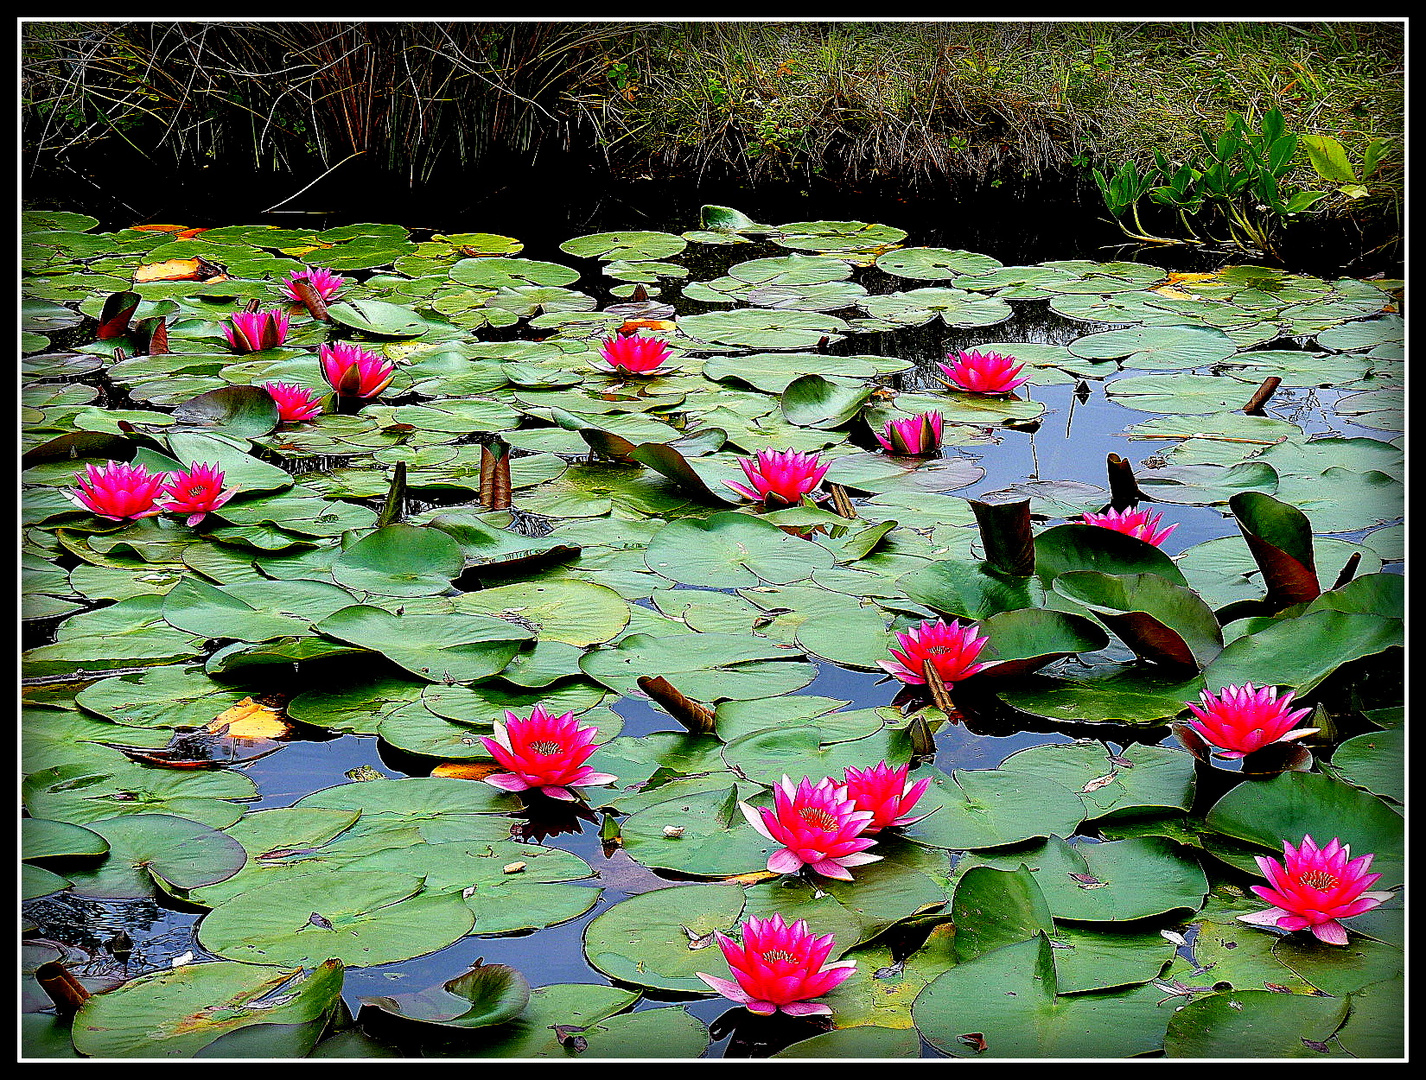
x,y
286,96
856,101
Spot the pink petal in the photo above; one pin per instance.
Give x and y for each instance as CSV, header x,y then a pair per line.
x,y
1267,917
785,861
1331,931
507,782
730,990
831,868
806,1008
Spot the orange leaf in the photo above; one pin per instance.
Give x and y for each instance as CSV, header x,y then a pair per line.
x,y
179,270
181,232
466,770
249,720
631,325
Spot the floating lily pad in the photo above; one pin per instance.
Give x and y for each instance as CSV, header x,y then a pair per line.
x,y
1292,805
204,1003
610,246
361,918
989,809
450,648
146,850
1133,697
400,560
762,328
85,795
487,994
1257,1023
649,940
1008,998
731,550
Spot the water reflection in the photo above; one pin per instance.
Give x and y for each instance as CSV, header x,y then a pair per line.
x,y
114,937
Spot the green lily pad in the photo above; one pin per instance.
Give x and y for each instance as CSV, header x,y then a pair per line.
x,y
44,839
245,411
1375,762
649,940
934,264
814,401
1143,778
1113,881
145,850
205,1002
379,318
1256,1023
732,550
1009,998
179,696
1153,347
1293,805
535,1032
84,795
577,613
486,994
251,612
450,648
989,809
508,886
361,918
763,328
709,838
838,237
1302,652
400,560
610,246
1161,621
1136,697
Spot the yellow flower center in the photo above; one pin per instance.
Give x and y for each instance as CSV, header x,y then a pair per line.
x,y
547,748
937,650
1317,879
773,955
815,815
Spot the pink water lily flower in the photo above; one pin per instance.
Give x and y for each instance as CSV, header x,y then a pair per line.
x,y
196,491
950,648
118,491
294,403
1141,523
1312,888
779,967
631,354
353,372
983,373
545,753
914,436
818,826
779,477
888,793
253,331
1239,719
326,283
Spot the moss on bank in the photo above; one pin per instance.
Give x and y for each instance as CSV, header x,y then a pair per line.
x,y
856,102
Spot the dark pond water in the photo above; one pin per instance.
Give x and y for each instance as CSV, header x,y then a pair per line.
x,y
1077,433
